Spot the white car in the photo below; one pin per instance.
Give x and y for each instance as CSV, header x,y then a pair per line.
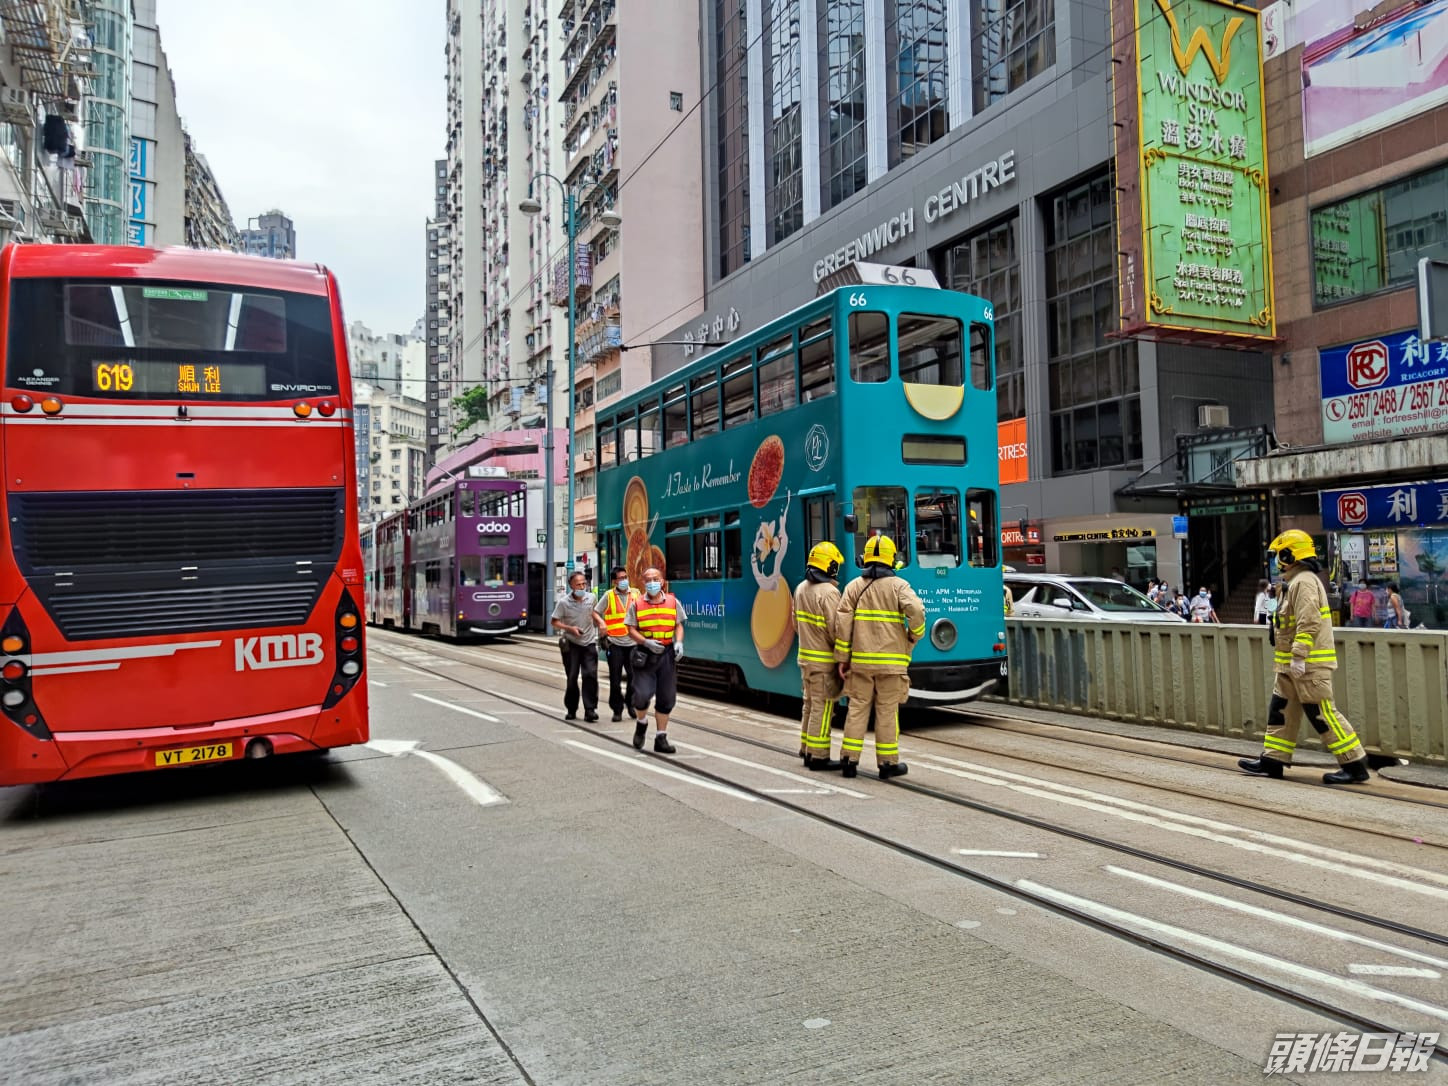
x,y
1102,599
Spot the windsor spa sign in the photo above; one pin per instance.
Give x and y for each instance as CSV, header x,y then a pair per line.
x,y
1206,243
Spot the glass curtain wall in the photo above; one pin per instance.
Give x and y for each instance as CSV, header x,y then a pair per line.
x,y
988,265
107,122
784,198
842,100
917,89
1011,41
732,98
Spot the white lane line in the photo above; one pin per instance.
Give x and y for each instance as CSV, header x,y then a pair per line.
x,y
478,790
645,763
1275,917
995,852
1185,824
1144,925
414,671
814,783
1393,971
1207,823
551,710
795,791
375,682
456,708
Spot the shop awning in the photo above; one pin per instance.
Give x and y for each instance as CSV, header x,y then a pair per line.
x,y
1324,466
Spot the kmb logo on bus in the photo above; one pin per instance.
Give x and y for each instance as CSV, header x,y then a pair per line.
x,y
1367,364
284,650
1352,508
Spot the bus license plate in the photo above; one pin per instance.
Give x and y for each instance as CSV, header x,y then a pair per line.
x,y
190,755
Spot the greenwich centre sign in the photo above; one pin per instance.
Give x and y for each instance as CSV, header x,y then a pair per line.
x,y
938,206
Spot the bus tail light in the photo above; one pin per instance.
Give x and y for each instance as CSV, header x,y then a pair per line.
x,y
22,403
18,700
348,639
302,410
326,409
52,405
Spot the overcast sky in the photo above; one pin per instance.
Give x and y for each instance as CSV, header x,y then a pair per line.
x,y
332,112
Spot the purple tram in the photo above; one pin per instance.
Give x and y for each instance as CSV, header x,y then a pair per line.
x,y
455,564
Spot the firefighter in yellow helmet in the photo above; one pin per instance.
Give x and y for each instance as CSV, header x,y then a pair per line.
x,y
816,599
1304,659
880,618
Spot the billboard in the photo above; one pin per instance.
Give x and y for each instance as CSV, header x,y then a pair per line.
x,y
1011,437
1206,262
1383,388
1361,74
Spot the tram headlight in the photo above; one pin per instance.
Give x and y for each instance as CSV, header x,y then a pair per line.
x,y
943,634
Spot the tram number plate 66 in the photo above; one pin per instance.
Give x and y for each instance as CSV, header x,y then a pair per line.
x,y
189,755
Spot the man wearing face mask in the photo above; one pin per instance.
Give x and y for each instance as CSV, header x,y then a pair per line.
x,y
609,615
655,623
573,618
1201,607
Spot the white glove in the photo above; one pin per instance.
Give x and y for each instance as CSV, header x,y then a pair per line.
x,y
1298,666
678,650
655,647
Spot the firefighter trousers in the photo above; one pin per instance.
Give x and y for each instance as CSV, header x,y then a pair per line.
x,y
821,689
1309,695
885,692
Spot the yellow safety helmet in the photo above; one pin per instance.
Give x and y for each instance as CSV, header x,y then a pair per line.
x,y
880,549
826,558
1292,546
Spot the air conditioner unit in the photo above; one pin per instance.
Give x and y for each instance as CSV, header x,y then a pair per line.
x,y
1213,416
587,457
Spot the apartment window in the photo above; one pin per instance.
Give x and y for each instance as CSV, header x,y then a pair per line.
x,y
1095,382
1011,41
917,109
988,265
842,100
784,198
732,103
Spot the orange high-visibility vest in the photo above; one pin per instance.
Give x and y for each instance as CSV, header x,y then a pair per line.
x,y
658,621
615,612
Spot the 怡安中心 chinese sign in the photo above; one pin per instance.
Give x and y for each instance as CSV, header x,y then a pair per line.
x,y
1381,388
1206,243
1400,505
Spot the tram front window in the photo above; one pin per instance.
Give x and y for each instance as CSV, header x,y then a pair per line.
x,y
937,529
882,510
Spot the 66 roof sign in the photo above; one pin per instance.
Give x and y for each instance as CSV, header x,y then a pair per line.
x,y
1401,505
1382,388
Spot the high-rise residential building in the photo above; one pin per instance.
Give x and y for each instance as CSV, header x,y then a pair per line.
x,y
46,69
208,220
157,165
389,360
435,324
392,456
274,235
108,121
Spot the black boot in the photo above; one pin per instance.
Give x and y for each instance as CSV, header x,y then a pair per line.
x,y
1349,773
662,744
821,765
896,769
640,730
848,767
1262,767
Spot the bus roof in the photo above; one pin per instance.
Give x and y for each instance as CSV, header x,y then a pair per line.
x,y
175,262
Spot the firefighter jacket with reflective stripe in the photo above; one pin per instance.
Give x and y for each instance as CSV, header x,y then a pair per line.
x,y
656,619
615,610
815,604
878,623
1302,627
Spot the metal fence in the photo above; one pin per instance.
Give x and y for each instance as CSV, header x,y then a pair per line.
x,y
1392,684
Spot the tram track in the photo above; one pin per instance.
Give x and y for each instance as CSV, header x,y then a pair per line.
x,y
978,877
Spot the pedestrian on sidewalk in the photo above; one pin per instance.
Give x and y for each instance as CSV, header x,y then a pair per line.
x,y
573,619
609,615
1201,609
1397,614
1304,658
1260,611
1361,604
655,623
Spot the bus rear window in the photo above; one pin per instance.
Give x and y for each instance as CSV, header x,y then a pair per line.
x,y
139,340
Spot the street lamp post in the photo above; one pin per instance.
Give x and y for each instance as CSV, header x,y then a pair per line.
x,y
610,218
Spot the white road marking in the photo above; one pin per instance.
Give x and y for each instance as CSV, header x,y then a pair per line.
x,y
538,705
786,774
481,793
644,763
1190,825
1144,925
414,671
995,852
1393,971
376,682
457,708
795,791
1276,917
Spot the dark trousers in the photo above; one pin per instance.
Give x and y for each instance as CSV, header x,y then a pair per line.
x,y
580,661
620,677
657,683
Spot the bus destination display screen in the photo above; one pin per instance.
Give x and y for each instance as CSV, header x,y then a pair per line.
x,y
165,379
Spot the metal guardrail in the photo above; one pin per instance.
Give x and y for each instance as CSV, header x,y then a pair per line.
x,y
1392,684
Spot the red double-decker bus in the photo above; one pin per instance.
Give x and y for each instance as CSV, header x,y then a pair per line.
x,y
182,580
